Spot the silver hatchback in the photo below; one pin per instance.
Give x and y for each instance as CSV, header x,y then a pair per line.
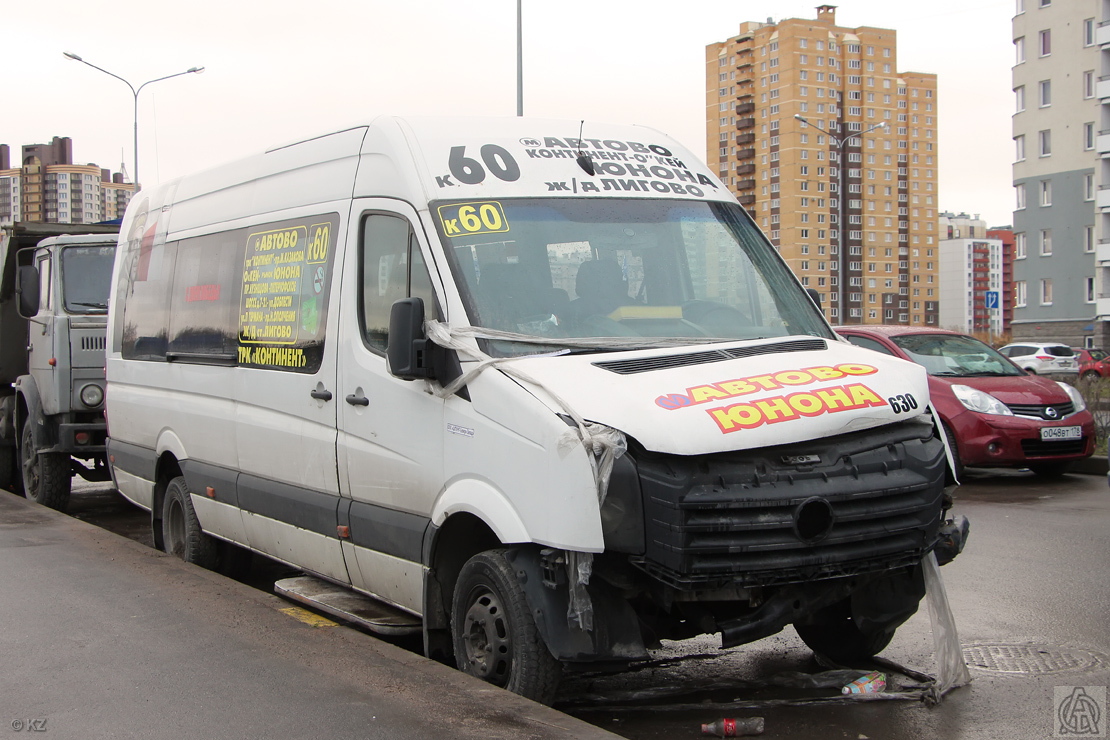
x,y
1043,358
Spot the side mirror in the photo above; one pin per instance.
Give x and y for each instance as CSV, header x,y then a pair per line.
x,y
814,296
28,289
411,355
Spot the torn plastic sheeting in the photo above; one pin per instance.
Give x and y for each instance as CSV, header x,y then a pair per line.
x,y
952,671
580,607
603,444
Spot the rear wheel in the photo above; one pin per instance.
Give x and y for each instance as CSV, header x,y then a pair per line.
x,y
835,635
46,475
181,532
1091,375
493,632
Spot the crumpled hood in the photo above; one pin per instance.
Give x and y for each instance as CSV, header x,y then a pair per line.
x,y
736,395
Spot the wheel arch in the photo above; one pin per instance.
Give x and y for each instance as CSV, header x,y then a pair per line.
x,y
27,401
166,468
461,536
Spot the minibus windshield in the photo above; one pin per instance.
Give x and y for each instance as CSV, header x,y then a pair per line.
x,y
606,267
87,278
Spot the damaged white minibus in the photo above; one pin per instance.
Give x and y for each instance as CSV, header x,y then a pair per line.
x,y
539,389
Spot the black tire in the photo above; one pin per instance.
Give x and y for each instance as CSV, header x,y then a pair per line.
x,y
181,532
46,475
1091,375
1050,469
957,463
834,635
493,632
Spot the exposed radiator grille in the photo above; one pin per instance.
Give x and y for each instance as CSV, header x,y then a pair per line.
x,y
647,364
1040,411
737,518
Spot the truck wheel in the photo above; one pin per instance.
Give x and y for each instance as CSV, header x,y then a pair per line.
x,y
840,639
494,635
46,475
181,530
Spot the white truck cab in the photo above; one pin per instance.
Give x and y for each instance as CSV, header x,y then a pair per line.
x,y
540,386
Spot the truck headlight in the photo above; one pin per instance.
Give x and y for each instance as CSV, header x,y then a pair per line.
x,y
92,395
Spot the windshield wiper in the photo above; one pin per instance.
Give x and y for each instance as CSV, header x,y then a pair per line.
x,y
88,304
989,374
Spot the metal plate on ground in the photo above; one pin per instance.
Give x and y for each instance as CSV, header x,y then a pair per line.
x,y
375,615
1029,659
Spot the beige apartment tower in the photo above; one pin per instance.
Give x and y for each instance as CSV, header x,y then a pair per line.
x,y
873,254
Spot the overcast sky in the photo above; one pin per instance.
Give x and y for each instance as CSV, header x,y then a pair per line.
x,y
282,70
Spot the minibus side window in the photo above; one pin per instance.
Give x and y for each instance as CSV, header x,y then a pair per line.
x,y
391,268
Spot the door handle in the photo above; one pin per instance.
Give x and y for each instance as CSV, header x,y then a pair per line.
x,y
358,400
320,393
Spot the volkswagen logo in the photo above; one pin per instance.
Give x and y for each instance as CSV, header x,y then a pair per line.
x,y
1050,412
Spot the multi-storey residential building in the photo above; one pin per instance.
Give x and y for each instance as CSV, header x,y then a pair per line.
x,y
46,186
972,276
1005,234
872,255
1057,146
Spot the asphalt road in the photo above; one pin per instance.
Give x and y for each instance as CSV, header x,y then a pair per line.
x,y
1031,596
104,637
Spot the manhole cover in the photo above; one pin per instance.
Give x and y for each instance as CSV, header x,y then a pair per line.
x,y
1031,659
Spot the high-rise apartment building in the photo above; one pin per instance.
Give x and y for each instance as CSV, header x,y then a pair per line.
x,y
872,254
47,187
972,276
1056,124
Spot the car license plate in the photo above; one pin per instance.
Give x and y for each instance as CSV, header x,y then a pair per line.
x,y
1048,433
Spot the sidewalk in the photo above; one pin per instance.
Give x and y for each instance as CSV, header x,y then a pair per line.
x,y
102,637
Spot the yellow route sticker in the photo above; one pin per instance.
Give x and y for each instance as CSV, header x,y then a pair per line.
x,y
463,219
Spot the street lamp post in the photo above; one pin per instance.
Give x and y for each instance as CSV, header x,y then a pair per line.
x,y
135,94
519,61
842,207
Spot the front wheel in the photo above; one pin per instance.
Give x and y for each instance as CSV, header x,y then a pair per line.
x,y
493,632
839,638
1091,375
181,532
46,475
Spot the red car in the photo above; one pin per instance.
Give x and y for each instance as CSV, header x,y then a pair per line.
x,y
1093,363
995,414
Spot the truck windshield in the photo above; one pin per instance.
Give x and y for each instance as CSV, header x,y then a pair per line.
x,y
86,278
606,267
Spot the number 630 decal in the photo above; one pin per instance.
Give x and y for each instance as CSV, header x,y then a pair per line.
x,y
903,403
